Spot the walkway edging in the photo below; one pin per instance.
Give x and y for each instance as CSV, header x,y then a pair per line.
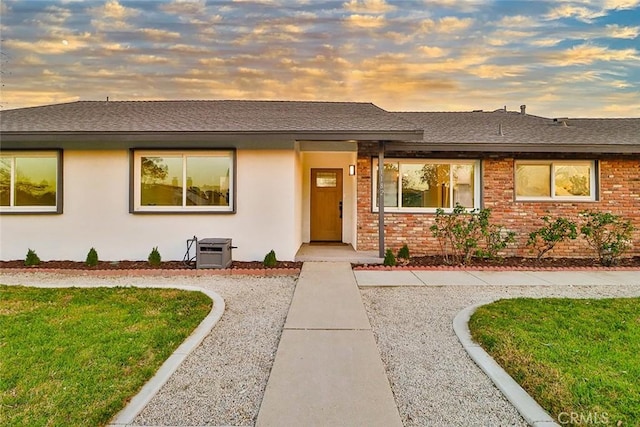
x,y
530,410
151,388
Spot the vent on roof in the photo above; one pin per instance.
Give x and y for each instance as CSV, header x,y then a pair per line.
x,y
561,121
523,109
500,130
477,111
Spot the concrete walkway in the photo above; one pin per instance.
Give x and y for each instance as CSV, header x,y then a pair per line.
x,y
327,370
483,278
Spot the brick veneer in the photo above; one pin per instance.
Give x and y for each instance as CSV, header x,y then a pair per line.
x,y
619,193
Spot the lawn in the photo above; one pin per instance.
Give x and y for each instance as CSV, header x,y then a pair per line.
x,y
579,359
76,356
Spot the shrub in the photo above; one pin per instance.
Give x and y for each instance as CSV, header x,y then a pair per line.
x,y
92,258
32,258
154,257
403,253
464,234
607,234
389,258
545,238
270,259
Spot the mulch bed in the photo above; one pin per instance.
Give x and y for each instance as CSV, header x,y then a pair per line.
x,y
142,265
415,262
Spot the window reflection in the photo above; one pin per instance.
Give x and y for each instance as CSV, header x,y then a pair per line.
x,y
533,180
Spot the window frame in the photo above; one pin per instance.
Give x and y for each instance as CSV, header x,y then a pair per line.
x,y
593,181
477,194
46,210
136,154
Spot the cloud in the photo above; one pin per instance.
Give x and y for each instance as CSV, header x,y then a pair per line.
x,y
185,7
156,35
621,4
446,25
112,16
368,6
50,45
578,12
366,21
586,54
432,51
517,21
619,32
494,72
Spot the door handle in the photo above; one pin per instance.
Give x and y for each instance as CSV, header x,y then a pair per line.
x,y
340,207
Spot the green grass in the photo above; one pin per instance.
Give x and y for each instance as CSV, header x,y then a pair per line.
x,y
578,357
76,356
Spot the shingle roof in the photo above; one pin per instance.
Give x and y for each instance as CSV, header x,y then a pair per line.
x,y
203,116
512,128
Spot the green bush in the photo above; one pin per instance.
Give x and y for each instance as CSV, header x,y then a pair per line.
x,y
32,258
270,259
403,253
154,257
607,234
92,258
389,258
545,238
464,234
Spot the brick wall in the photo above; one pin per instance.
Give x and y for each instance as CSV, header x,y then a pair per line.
x,y
619,194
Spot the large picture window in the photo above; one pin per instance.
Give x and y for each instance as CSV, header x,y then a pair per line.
x,y
30,182
171,181
425,185
555,180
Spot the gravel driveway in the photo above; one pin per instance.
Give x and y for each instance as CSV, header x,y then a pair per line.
x,y
434,381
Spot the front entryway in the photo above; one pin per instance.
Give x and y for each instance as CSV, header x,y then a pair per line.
x,y
326,205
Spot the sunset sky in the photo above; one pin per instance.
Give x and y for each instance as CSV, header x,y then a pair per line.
x,y
560,58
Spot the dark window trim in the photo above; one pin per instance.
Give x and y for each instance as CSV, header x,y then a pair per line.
x,y
132,177
59,184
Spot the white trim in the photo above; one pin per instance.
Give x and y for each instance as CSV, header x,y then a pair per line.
x,y
400,209
593,167
183,154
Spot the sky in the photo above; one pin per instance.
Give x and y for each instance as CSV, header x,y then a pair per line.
x,y
559,58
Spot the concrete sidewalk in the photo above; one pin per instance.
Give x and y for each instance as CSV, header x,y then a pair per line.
x,y
484,278
327,369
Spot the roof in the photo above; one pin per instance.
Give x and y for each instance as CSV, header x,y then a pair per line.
x,y
501,130
203,116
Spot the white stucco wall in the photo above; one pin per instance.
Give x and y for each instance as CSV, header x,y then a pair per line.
x,y
96,214
329,160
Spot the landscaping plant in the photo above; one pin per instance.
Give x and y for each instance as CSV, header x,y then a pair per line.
x,y
464,234
389,258
545,238
154,257
92,258
607,234
403,253
32,258
270,259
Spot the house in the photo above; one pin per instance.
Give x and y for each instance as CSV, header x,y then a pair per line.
x,y
124,177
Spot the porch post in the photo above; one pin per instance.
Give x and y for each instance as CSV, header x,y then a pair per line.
x,y
381,199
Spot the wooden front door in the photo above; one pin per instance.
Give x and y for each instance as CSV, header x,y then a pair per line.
x,y
326,205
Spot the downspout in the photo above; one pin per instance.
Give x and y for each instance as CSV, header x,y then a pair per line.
x,y
381,251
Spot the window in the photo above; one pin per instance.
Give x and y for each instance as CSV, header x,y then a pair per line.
x,y
30,182
555,180
172,181
423,186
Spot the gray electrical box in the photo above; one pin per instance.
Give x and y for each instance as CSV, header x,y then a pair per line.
x,y
213,253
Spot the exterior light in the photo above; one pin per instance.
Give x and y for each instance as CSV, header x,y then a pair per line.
x,y
352,170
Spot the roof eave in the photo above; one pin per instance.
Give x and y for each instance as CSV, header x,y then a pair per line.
x,y
511,148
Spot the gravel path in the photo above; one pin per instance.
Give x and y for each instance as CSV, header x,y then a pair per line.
x,y
222,382
433,379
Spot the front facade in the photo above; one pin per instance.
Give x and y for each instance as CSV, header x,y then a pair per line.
x,y
125,177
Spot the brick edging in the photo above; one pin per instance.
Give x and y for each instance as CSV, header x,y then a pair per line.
x,y
489,268
163,272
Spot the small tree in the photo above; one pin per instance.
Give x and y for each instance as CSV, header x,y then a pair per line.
x,y
403,253
608,235
92,258
32,258
545,238
389,258
270,259
154,257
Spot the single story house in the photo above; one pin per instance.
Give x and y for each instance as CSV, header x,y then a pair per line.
x,y
128,176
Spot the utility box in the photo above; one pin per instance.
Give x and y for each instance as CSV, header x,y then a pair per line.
x,y
213,253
